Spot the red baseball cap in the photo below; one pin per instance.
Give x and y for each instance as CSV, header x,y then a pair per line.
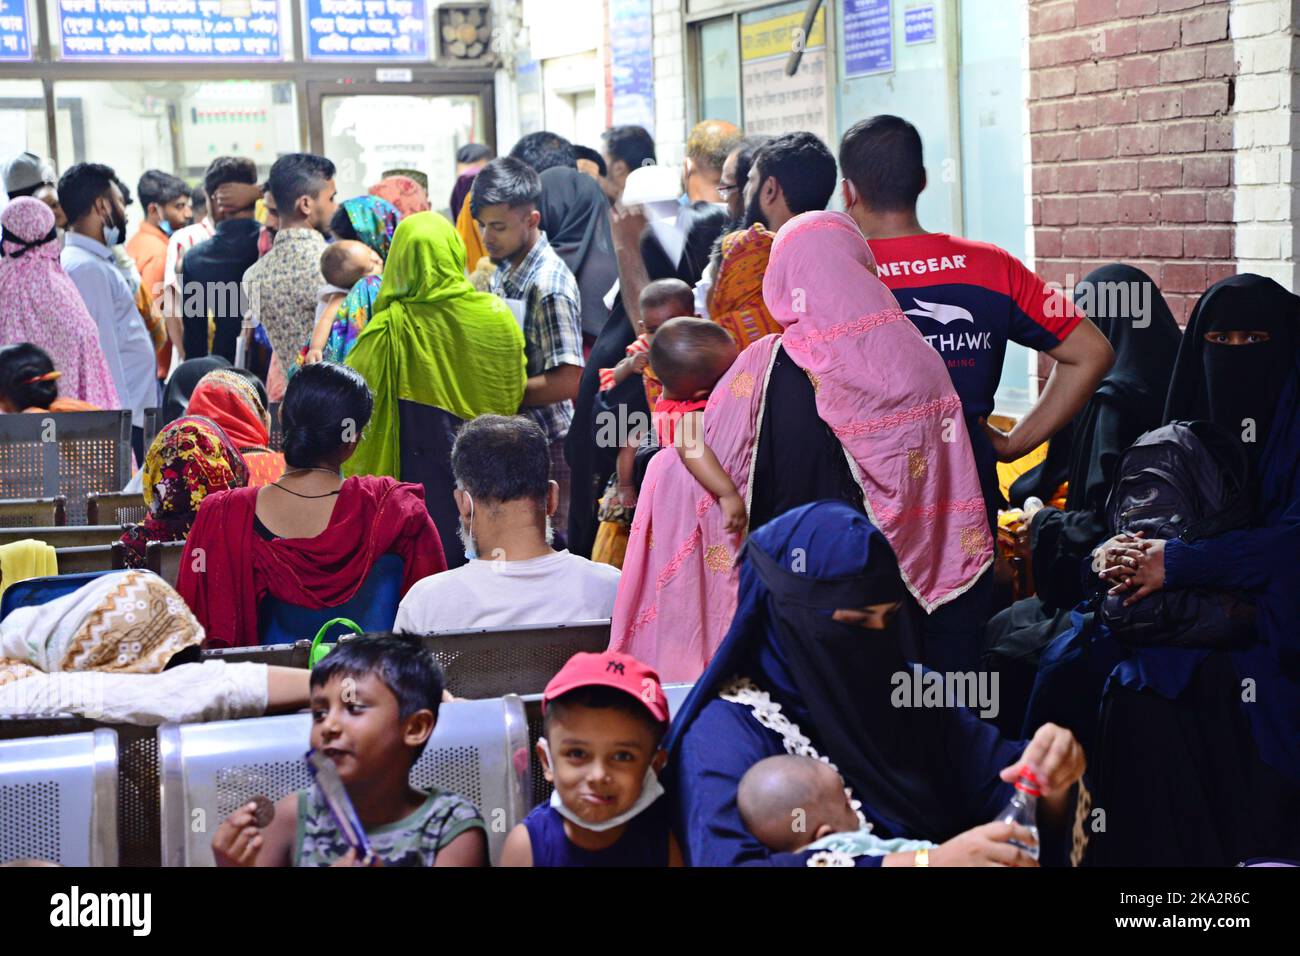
x,y
609,669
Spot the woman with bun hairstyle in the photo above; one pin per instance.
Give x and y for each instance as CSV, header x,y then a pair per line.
x,y
30,383
311,538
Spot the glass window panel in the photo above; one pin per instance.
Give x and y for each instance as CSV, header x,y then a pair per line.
x,y
992,143
366,136
134,125
22,119
719,71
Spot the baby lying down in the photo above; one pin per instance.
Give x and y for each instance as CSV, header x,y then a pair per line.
x,y
793,804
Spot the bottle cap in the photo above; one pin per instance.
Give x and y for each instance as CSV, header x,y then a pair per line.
x,y
1027,782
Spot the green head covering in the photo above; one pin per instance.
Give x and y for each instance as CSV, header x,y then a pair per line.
x,y
433,339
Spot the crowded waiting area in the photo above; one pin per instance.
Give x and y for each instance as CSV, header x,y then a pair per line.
x,y
481,469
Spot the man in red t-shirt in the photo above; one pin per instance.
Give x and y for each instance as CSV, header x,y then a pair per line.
x,y
967,298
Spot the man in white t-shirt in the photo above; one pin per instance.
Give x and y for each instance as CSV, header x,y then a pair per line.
x,y
506,498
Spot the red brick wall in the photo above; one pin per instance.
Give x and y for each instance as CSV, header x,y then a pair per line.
x,y
1131,141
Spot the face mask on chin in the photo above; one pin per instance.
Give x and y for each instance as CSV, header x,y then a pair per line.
x,y
651,790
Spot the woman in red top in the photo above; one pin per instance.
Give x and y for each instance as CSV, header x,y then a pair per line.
x,y
311,538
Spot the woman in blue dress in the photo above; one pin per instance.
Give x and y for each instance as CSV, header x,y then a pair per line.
x,y
816,663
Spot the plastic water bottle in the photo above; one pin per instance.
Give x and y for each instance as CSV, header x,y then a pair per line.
x,y
1033,505
1023,809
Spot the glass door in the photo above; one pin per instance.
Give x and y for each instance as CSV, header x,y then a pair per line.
x,y
378,129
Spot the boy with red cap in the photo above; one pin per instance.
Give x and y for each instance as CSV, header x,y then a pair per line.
x,y
603,716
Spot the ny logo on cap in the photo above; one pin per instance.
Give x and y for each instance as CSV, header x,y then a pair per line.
x,y
616,666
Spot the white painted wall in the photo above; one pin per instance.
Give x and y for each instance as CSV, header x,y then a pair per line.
x,y
1266,131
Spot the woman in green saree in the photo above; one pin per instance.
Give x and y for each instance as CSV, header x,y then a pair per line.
x,y
435,353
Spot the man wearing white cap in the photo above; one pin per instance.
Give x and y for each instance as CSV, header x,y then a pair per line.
x,y
29,175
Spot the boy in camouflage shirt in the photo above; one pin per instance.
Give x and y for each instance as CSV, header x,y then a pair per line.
x,y
374,703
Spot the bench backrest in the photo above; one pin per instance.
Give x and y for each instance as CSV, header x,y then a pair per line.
x,y
58,799
115,507
40,590
489,662
373,608
163,558
64,536
33,512
478,750
68,453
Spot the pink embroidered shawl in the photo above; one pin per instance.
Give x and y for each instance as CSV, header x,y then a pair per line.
x,y
883,391
39,304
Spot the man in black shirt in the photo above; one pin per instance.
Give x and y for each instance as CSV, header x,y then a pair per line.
x,y
212,271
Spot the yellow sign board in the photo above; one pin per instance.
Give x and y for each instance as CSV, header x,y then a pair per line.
x,y
776,36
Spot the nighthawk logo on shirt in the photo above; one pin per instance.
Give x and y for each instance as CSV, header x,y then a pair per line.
x,y
941,312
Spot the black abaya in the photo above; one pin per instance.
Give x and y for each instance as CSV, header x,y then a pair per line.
x,y
1177,786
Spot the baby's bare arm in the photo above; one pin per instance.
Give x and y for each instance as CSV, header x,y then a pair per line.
x,y
321,333
700,460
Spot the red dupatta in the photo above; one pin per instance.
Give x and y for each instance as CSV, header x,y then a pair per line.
x,y
228,569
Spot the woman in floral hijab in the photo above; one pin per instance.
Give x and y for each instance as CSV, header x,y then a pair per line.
x,y
371,220
188,460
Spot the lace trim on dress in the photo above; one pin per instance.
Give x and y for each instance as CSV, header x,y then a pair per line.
x,y
743,691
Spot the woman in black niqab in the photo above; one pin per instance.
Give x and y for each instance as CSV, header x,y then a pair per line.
x,y
1130,311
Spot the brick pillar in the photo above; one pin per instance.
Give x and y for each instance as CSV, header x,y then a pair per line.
x,y
1131,143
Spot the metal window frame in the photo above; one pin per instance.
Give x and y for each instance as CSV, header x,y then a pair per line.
x,y
694,66
428,78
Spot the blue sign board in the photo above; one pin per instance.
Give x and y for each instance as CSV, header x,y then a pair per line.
x,y
367,30
176,30
632,62
868,37
15,40
918,24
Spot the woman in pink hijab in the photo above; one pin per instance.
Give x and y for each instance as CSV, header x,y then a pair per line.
x,y
39,304
849,402
403,192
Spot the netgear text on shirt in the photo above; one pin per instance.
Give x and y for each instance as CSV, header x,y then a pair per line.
x,y
916,267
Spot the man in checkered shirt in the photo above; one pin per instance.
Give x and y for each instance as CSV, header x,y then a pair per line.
x,y
538,285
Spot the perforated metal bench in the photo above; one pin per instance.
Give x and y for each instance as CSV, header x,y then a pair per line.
x,y
58,799
115,507
478,750
69,454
